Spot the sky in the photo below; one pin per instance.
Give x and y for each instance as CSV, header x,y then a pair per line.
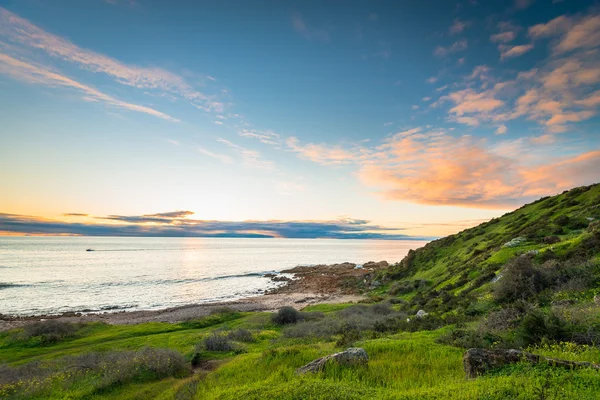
x,y
311,119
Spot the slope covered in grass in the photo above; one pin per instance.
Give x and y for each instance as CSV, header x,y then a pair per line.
x,y
458,269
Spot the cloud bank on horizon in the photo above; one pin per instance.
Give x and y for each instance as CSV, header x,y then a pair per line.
x,y
369,111
176,224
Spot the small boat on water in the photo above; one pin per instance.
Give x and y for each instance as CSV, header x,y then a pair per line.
x,y
90,250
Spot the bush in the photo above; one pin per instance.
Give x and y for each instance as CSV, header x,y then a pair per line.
x,y
108,369
241,335
218,342
520,281
49,332
286,315
536,327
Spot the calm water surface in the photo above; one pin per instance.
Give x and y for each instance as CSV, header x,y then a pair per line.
x,y
40,275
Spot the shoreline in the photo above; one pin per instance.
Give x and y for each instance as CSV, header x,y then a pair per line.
x,y
311,285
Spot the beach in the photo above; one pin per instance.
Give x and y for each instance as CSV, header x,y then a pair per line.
x,y
309,285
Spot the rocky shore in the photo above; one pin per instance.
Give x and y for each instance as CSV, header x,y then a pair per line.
x,y
304,286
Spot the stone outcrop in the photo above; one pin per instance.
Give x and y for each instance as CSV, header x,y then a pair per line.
x,y
350,357
479,361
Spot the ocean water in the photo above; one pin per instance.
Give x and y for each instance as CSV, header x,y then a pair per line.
x,y
45,275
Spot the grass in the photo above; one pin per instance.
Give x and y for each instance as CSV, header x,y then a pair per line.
x,y
401,366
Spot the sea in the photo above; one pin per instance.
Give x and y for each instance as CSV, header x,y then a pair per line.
x,y
51,275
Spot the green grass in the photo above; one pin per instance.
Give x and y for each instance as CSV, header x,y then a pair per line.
x,y
401,366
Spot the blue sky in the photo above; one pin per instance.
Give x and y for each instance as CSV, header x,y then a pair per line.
x,y
409,118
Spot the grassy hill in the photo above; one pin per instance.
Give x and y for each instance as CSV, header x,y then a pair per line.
x,y
525,280
453,272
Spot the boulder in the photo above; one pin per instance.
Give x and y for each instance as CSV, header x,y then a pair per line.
x,y
376,265
350,357
422,313
479,361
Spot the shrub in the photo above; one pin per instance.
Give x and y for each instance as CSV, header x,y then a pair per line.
x,y
50,331
520,281
241,335
536,326
551,239
349,335
108,369
400,288
218,342
286,315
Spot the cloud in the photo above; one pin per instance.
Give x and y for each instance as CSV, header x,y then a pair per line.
x,y
309,32
250,158
75,215
554,27
501,130
523,4
29,41
221,157
266,137
514,51
174,225
470,106
573,33
320,153
460,45
436,168
29,73
458,26
503,37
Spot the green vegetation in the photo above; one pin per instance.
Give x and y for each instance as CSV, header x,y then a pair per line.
x,y
525,280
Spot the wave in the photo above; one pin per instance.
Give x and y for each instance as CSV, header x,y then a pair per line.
x,y
187,280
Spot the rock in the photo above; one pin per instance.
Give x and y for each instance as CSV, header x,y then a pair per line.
x,y
375,265
597,300
533,252
350,357
422,313
375,284
479,361
497,277
514,242
270,275
281,279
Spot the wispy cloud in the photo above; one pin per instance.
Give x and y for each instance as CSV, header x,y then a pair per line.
x,y
176,224
503,37
460,45
458,26
29,73
266,137
523,4
300,25
507,51
30,43
320,153
221,157
250,158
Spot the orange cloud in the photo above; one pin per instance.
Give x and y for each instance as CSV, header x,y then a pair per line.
x,y
446,170
320,153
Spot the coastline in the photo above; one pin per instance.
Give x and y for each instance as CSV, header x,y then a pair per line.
x,y
311,285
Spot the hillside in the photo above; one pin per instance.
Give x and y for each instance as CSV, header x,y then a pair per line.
x,y
451,273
